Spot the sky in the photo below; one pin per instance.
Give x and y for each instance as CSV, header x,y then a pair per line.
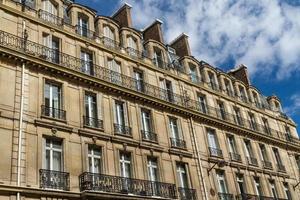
x,y
264,35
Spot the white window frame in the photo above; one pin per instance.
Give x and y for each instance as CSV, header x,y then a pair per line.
x,y
93,157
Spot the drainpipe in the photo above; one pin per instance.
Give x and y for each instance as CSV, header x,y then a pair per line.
x,y
21,119
201,177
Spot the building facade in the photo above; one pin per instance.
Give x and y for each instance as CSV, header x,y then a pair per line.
x,y
110,112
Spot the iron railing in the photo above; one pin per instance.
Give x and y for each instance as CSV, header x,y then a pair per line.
x,y
149,136
110,43
161,64
215,152
178,143
84,32
115,184
225,196
267,164
281,168
134,53
92,122
53,112
187,194
122,130
50,18
50,179
252,161
256,197
235,157
30,48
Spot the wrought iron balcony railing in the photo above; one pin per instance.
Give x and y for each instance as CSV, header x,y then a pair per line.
x,y
30,48
122,130
115,184
215,152
161,64
267,164
50,18
178,143
110,43
135,53
149,136
252,161
256,197
92,122
187,194
225,196
53,112
281,168
84,32
57,180
235,157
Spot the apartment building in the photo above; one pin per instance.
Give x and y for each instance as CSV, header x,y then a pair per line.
x,y
92,108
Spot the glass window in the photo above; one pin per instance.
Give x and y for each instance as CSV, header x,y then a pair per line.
x,y
132,45
277,156
193,73
248,148
263,152
152,169
119,113
125,164
91,117
222,112
50,7
231,143
202,103
273,188
52,99
174,128
83,26
139,80
158,58
257,186
146,121
54,155
287,191
115,68
221,182
237,116
241,184
252,122
94,159
182,175
86,62
243,93
109,33
212,140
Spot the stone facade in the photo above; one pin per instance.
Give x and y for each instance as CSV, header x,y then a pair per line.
x,y
106,116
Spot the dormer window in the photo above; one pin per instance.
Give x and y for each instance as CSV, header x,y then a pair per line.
x,y
193,73
132,46
212,81
243,94
255,99
83,26
277,106
228,89
158,58
49,7
109,37
49,12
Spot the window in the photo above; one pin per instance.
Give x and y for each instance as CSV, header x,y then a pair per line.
x,y
228,89
213,143
273,189
241,184
158,58
231,143
297,158
202,103
132,46
288,134
221,113
243,94
147,125
174,128
167,90
115,68
263,152
86,63
139,80
222,184
109,37
52,52
51,10
257,185
212,81
249,153
94,159
237,116
83,26
266,126
54,155
52,100
193,73
252,122
256,101
119,115
152,169
182,175
278,160
91,117
125,164
287,191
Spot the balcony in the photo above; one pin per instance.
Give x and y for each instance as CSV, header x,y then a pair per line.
x,y
149,136
256,197
267,164
92,122
225,196
134,53
122,130
84,32
53,112
50,18
252,161
178,143
281,168
110,43
215,152
187,194
235,157
158,62
56,180
115,184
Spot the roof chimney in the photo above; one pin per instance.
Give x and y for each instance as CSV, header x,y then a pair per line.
x,y
181,45
123,16
241,73
154,31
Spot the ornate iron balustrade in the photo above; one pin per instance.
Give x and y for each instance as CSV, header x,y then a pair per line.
x,y
122,130
110,43
281,168
85,32
235,157
267,164
256,197
215,152
11,41
178,143
149,136
161,64
116,184
187,194
134,53
51,18
252,161
50,179
225,196
53,112
92,122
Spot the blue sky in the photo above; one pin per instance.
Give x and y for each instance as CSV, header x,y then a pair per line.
x,y
262,34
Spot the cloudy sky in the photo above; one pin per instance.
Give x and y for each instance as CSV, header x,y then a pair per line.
x,y
262,34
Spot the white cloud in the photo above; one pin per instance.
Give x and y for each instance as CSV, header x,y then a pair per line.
x,y
263,34
294,108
